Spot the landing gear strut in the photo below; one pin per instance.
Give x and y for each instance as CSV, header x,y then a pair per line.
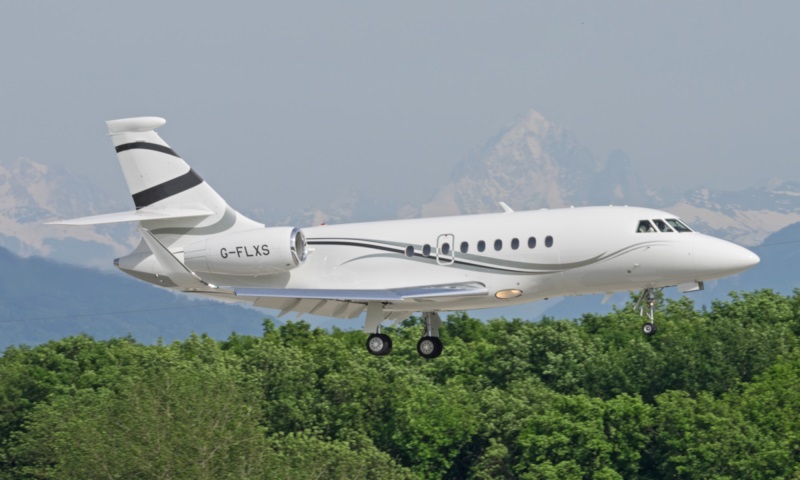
x,y
430,346
647,300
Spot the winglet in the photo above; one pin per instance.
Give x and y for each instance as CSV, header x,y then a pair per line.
x,y
506,208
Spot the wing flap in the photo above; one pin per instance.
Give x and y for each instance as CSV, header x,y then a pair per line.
x,y
423,292
468,289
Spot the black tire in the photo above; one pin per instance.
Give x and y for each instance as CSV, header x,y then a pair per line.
x,y
379,344
429,347
649,329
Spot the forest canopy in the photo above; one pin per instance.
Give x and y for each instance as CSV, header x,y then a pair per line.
x,y
714,394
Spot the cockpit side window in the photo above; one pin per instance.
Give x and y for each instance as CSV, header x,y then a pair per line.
x,y
645,227
662,225
678,225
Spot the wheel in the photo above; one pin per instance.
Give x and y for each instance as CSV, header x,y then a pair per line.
x,y
379,344
649,329
429,347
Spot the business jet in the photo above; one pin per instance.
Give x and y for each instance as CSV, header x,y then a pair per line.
x,y
193,241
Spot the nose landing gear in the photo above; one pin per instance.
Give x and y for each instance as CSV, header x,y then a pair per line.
x,y
647,301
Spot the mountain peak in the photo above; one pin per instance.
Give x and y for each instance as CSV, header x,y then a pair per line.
x,y
22,168
534,163
532,123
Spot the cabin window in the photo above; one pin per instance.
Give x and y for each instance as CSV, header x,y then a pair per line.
x,y
481,246
662,225
645,227
531,242
426,250
409,251
548,241
514,243
445,248
464,247
498,245
678,225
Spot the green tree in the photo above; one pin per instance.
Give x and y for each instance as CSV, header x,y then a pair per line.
x,y
180,419
432,424
307,455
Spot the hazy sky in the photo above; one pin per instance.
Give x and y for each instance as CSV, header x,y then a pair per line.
x,y
294,103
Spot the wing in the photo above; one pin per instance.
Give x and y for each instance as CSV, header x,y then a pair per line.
x,y
342,303
337,303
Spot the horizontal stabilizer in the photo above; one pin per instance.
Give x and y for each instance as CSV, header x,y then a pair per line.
x,y
137,216
388,295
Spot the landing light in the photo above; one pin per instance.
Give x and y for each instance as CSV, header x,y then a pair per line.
x,y
506,294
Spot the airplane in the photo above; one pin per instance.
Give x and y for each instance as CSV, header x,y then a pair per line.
x,y
193,241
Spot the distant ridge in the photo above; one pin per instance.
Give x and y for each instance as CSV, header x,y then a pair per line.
x,y
32,193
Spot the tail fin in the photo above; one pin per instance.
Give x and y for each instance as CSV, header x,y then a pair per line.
x,y
171,200
155,174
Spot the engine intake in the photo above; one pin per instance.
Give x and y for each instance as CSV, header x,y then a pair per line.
x,y
254,252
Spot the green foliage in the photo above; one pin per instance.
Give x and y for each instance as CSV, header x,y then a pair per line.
x,y
188,414
713,395
306,455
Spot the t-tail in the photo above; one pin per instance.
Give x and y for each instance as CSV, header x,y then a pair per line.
x,y
181,218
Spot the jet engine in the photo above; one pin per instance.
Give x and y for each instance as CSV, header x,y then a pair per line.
x,y
263,251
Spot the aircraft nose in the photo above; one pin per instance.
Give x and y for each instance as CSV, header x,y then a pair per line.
x,y
716,258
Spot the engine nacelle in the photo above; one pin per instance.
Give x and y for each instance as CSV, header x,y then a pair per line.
x,y
254,252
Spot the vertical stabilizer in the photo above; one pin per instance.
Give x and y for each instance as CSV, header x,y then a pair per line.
x,y
159,179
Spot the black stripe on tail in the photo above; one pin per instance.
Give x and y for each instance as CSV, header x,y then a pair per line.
x,y
147,146
167,189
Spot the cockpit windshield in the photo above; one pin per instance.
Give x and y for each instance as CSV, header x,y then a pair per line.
x,y
645,226
668,225
662,225
678,225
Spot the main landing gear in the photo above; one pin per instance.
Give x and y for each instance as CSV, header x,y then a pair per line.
x,y
429,346
379,344
647,300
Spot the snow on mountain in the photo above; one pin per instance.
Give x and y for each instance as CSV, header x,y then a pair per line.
x,y
535,164
746,217
32,193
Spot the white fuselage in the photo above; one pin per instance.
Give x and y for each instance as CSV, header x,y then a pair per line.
x,y
574,251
